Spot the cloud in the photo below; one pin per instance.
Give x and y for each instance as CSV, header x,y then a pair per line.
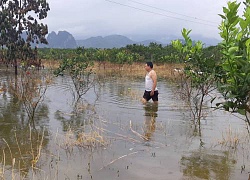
x,y
86,18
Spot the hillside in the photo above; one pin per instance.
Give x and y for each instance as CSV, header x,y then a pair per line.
x,y
65,40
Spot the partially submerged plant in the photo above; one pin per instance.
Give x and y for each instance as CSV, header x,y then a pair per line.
x,y
91,139
29,88
235,76
79,68
198,77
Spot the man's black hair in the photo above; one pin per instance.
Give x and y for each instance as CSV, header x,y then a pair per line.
x,y
150,64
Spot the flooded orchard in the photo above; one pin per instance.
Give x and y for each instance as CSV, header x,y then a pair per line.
x,y
110,134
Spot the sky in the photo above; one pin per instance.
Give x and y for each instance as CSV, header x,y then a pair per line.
x,y
135,18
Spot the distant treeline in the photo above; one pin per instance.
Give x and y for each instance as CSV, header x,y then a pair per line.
x,y
127,55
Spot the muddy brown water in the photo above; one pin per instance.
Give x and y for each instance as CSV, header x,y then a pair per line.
x,y
138,141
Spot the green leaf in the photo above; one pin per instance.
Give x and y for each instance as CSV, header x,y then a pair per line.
x,y
232,50
239,36
241,111
243,24
222,16
225,10
248,42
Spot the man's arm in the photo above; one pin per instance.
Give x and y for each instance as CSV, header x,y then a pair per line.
x,y
154,78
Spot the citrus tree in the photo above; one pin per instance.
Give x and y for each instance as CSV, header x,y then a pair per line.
x,y
80,69
235,45
101,56
199,73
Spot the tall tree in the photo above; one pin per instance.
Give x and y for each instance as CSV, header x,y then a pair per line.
x,y
20,25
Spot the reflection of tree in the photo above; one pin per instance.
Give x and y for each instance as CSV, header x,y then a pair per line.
x,y
29,88
150,117
80,116
18,141
24,146
203,165
81,127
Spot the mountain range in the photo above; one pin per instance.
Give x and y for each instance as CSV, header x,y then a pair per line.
x,y
65,40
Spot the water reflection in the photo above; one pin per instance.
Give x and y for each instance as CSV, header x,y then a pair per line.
x,y
21,148
151,110
81,115
207,165
20,145
21,141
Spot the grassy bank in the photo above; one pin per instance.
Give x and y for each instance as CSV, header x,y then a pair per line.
x,y
135,69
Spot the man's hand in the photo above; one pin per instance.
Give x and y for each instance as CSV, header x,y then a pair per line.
x,y
152,93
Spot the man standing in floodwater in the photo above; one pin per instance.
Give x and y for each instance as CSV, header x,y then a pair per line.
x,y
151,90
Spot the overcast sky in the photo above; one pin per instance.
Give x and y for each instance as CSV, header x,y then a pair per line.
x,y
86,18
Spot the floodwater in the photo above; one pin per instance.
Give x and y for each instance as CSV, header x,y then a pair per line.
x,y
110,134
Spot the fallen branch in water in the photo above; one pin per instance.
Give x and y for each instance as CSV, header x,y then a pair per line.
x,y
119,158
120,135
138,134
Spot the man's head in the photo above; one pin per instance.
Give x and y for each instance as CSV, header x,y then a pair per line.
x,y
149,64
